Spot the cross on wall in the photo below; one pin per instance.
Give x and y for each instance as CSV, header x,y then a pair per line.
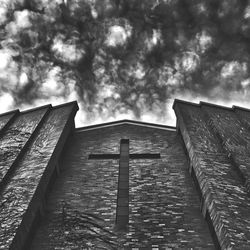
x,y
122,207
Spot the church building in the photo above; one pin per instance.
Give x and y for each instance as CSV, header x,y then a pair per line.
x,y
125,184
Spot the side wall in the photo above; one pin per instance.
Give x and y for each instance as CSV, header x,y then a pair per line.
x,y
216,141
30,148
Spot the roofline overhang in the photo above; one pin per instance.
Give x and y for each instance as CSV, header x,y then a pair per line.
x,y
128,122
201,103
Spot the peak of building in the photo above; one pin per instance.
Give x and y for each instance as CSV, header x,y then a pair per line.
x,y
125,121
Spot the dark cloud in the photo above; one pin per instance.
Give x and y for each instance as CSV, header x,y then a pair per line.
x,y
124,58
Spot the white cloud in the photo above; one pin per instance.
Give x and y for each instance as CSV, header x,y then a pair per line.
x,y
106,91
154,40
67,51
187,62
80,118
5,59
168,77
245,83
21,21
233,68
204,40
6,102
3,12
156,36
102,117
118,35
137,71
23,79
247,12
94,13
8,69
52,85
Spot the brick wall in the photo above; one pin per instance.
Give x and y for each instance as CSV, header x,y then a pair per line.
x,y
30,147
206,133
164,208
232,130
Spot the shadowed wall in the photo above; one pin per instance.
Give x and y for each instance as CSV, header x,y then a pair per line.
x,y
164,208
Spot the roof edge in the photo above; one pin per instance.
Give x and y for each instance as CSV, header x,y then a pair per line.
x,y
184,102
66,104
36,108
201,103
215,105
49,106
125,121
10,112
241,108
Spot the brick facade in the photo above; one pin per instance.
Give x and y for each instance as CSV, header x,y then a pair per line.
x,y
211,134
30,149
164,208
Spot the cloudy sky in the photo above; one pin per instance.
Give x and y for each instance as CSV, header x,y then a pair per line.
x,y
124,58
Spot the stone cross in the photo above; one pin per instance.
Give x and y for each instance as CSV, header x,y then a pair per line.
x,y
122,208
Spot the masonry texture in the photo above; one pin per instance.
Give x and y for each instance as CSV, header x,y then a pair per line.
x,y
67,188
164,208
27,160
211,134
